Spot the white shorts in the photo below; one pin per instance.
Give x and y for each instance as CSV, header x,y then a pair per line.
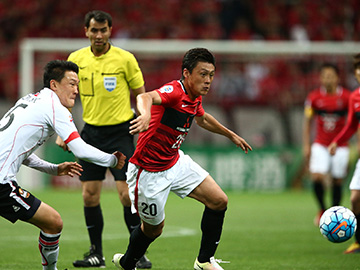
x,y
355,180
149,191
322,162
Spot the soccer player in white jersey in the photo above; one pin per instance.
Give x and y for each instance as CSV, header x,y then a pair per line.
x,y
25,127
158,166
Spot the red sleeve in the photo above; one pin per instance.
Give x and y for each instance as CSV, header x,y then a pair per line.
x,y
200,111
351,125
169,95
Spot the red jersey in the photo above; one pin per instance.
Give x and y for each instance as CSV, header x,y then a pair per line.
x,y
158,148
352,122
330,110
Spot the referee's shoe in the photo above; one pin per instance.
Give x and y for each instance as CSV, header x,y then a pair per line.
x,y
91,259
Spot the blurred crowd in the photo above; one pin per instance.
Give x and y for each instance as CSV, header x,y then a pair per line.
x,y
252,81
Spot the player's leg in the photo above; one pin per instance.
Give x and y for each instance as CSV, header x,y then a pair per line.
x,y
140,240
339,167
215,201
19,204
355,207
319,166
337,184
148,192
132,220
125,144
50,224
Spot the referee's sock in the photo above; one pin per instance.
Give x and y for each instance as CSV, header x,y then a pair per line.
x,y
49,249
95,224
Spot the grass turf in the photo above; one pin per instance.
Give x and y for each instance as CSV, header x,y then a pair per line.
x,y
261,231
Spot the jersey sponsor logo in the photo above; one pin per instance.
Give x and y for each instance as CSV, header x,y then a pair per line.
x,y
110,83
16,208
166,89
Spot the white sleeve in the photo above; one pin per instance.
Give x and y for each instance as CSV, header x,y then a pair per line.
x,y
85,151
33,161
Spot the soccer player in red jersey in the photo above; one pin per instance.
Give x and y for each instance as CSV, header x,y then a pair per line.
x,y
352,125
328,105
158,166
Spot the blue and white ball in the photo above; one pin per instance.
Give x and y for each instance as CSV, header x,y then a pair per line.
x,y
338,224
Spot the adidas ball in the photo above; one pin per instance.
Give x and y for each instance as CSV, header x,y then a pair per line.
x,y
337,224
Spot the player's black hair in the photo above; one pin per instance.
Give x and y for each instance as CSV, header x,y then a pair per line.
x,y
55,70
330,65
193,56
356,61
99,16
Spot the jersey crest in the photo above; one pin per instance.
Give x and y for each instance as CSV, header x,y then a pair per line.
x,y
110,83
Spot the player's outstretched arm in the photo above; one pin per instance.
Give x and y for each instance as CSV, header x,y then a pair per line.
x,y
209,123
69,168
240,142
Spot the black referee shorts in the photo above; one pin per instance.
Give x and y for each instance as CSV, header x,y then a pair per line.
x,y
17,203
108,139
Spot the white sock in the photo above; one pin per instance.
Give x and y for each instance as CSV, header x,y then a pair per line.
x,y
49,250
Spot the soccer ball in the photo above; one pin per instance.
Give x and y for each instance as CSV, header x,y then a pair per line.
x,y
337,224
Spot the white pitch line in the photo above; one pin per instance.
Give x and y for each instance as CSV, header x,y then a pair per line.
x,y
170,231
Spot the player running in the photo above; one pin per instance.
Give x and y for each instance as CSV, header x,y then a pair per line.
x,y
25,127
158,166
328,105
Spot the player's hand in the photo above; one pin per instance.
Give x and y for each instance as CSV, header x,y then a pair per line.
x,y
69,168
61,143
332,148
139,124
240,142
121,159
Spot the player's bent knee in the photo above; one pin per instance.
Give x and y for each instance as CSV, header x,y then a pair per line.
x,y
223,202
153,231
219,203
57,224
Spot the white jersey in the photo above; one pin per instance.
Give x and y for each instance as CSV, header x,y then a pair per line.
x,y
32,120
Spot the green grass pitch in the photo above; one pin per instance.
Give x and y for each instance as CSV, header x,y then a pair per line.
x,y
261,231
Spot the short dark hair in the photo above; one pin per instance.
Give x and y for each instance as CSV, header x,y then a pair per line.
x,y
195,55
330,65
99,16
356,61
55,70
